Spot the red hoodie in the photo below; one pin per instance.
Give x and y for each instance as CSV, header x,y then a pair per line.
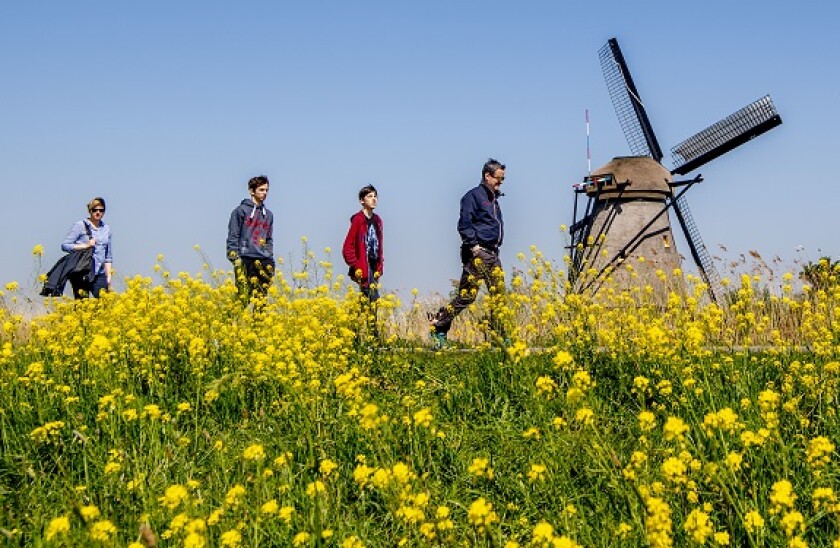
x,y
354,250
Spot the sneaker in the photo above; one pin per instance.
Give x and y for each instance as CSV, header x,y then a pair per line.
x,y
438,340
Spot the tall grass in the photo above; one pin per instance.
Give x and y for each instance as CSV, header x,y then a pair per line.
x,y
170,414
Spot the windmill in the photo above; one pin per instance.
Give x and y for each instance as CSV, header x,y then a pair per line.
x,y
627,201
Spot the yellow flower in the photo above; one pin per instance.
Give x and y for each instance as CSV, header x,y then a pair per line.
x,y
196,526
584,415
58,526
38,250
102,530
152,411
89,512
658,523
782,496
234,495
753,521
254,452
230,538
725,419
793,522
48,432
531,433
734,460
327,466
819,451
315,488
401,473
721,538
481,514
542,534
674,470
352,542
480,467
647,421
558,422
214,517
824,496
194,540
112,467
174,496
536,473
574,395
423,417
623,530
674,428
286,513
301,538
270,507
698,526
563,360
545,385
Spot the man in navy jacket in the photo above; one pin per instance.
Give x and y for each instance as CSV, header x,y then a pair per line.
x,y
482,230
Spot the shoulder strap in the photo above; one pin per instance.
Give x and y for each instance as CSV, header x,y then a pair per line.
x,y
87,228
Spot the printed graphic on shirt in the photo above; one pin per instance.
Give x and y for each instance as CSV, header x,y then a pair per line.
x,y
259,230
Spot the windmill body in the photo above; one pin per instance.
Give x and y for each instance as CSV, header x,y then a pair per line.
x,y
630,221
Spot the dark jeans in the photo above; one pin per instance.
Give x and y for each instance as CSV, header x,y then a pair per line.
x,y
368,305
371,289
480,267
253,276
83,289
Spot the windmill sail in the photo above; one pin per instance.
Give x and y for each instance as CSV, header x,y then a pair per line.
x,y
731,132
698,249
627,102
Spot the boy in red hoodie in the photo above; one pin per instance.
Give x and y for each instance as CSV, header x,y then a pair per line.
x,y
362,248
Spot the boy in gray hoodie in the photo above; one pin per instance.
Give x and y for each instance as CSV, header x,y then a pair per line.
x,y
250,242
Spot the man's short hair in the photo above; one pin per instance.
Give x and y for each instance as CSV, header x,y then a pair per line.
x,y
490,167
256,182
367,189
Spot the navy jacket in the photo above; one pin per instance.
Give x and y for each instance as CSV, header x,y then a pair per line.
x,y
481,219
75,263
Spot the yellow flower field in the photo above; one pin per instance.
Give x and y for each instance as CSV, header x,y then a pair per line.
x,y
169,414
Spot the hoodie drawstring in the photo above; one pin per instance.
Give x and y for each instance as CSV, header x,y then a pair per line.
x,y
255,210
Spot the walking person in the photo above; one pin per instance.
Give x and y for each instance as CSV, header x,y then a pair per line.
x,y
250,242
363,253
482,231
362,249
91,232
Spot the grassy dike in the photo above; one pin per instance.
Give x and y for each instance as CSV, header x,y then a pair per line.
x,y
169,414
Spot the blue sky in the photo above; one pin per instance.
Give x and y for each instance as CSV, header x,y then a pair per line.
x,y
167,109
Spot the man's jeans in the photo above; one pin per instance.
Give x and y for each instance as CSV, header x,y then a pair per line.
x,y
484,266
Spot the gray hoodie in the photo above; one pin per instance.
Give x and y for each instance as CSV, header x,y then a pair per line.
x,y
250,232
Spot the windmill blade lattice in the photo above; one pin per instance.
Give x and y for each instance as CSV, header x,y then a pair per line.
x,y
627,102
721,137
698,249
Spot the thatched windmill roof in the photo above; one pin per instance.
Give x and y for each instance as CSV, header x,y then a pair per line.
x,y
648,179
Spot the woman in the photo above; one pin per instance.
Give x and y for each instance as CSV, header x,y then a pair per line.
x,y
92,232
